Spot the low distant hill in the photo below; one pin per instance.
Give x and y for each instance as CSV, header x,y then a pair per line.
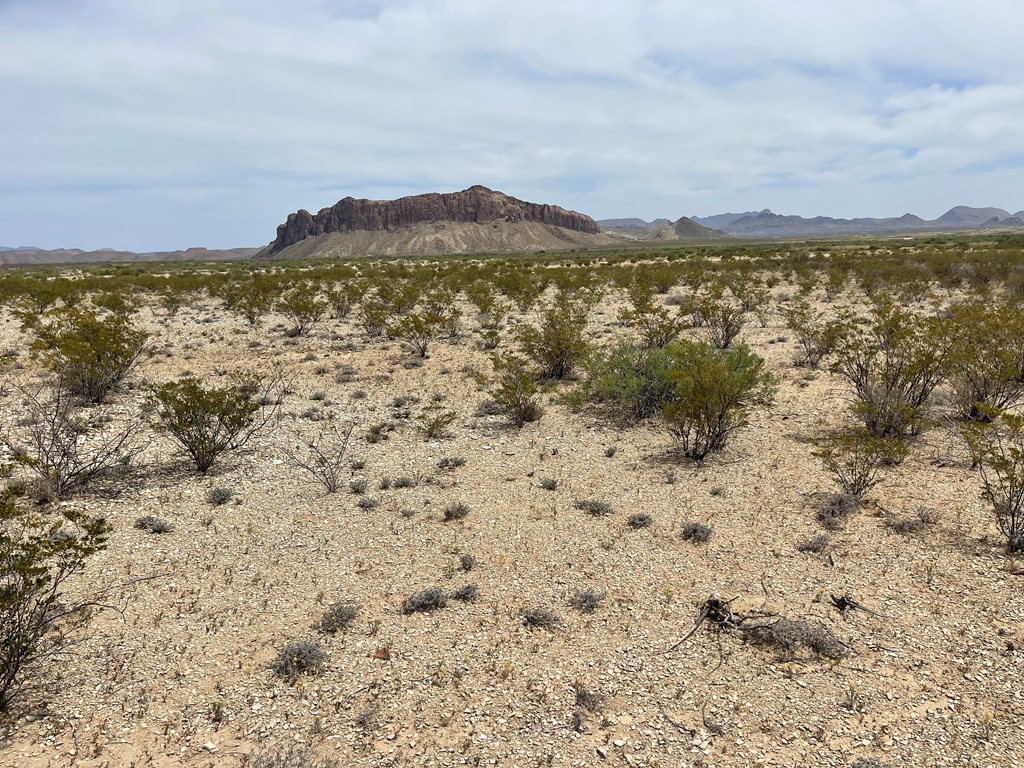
x,y
28,256
660,229
475,220
768,224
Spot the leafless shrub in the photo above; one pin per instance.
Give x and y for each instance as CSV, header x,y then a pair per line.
x,y
322,456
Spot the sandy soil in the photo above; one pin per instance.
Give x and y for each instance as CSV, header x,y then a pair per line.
x,y
181,677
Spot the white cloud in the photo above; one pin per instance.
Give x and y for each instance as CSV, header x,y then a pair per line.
x,y
163,124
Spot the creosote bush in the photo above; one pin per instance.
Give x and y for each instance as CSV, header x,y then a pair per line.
x,y
633,380
515,393
39,554
207,421
998,451
713,391
90,355
855,458
559,342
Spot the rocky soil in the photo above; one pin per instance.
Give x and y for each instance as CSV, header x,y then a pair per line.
x,y
181,675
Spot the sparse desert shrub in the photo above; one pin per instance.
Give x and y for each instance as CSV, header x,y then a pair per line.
x,y
587,600
836,508
434,423
219,495
722,322
38,556
337,618
541,618
788,636
894,366
656,326
515,395
291,756
639,520
425,601
322,456
64,452
466,562
153,524
368,502
713,389
373,316
633,380
419,329
465,593
301,657
698,533
855,458
594,507
549,484
987,359
90,355
207,421
252,297
998,450
559,342
816,335
303,306
814,545
456,511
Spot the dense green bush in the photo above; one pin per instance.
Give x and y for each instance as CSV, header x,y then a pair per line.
x,y
90,355
713,391
636,381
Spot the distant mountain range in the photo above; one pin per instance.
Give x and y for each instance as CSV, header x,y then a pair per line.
x,y
27,254
660,229
768,224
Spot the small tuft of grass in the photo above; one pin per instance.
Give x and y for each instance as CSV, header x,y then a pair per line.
x,y
368,502
541,618
695,532
549,484
466,562
300,657
358,485
451,462
153,524
337,618
593,507
425,601
814,545
587,600
836,509
457,511
219,496
639,520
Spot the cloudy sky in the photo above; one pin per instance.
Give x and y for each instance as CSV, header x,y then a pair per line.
x,y
162,124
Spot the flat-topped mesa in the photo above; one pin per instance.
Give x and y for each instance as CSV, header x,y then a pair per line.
x,y
477,204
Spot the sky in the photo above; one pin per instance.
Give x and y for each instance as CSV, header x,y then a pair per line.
x,y
160,125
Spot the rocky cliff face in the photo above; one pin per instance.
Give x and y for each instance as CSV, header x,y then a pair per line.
x,y
478,205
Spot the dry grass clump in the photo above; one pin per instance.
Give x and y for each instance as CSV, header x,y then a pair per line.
x,y
814,545
337,618
695,532
586,600
425,601
541,618
465,593
788,636
836,508
593,507
153,524
300,657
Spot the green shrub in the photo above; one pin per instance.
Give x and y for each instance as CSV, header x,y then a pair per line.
x,y
855,458
893,365
90,355
713,391
998,450
207,421
559,342
38,555
252,297
419,329
303,306
816,335
722,322
987,359
516,392
631,379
